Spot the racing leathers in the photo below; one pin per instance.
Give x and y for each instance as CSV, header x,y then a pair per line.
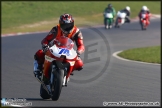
x,y
55,33
109,10
142,11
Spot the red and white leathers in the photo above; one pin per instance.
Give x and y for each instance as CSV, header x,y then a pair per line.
x,y
56,32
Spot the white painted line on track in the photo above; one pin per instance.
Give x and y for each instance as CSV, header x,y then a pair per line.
x,y
116,56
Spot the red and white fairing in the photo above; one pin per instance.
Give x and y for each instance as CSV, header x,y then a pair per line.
x,y
121,18
144,17
63,46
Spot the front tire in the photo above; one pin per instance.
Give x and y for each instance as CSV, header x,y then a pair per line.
x,y
142,26
58,85
43,93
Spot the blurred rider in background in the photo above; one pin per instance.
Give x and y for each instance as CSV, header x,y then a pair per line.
x,y
146,11
126,10
112,9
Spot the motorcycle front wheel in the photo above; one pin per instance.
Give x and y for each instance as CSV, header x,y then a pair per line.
x,y
143,26
57,84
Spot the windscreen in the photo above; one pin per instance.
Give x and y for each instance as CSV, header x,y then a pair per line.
x,y
64,42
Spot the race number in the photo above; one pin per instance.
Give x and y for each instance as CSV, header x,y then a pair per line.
x,y
64,51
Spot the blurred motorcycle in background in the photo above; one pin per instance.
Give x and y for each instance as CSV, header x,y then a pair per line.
x,y
108,20
144,21
120,19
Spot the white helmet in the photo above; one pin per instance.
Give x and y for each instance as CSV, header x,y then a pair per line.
x,y
127,8
144,8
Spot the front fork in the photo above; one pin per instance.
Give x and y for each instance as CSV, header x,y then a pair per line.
x,y
59,65
50,87
53,77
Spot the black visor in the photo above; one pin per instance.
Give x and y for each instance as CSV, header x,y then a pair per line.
x,y
67,27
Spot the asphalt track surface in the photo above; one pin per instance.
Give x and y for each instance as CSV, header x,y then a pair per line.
x,y
122,80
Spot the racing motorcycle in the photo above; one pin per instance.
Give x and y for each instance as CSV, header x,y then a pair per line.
x,y
108,20
143,21
58,66
120,19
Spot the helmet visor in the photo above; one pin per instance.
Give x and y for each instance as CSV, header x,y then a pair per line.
x,y
67,27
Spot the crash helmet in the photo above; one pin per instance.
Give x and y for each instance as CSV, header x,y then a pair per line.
x,y
144,8
127,8
66,22
109,5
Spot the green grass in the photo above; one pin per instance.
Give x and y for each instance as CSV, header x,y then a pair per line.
x,y
18,13
147,54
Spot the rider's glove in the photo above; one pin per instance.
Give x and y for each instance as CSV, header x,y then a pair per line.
x,y
45,47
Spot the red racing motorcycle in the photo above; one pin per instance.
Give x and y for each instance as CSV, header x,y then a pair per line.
x,y
58,66
144,21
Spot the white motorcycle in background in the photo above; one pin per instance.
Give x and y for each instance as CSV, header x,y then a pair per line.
x,y
121,19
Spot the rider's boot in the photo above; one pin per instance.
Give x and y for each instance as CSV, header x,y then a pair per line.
x,y
37,70
79,69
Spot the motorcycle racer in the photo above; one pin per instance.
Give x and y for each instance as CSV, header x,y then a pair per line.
x,y
146,11
66,28
108,9
127,11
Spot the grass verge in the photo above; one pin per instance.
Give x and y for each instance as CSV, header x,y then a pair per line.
x,y
29,16
147,54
